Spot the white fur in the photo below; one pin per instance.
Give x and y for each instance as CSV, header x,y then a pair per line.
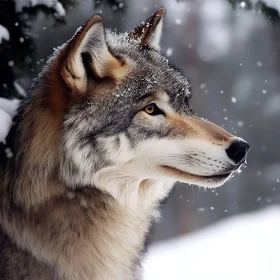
x,y
191,155
139,177
126,180
123,153
154,38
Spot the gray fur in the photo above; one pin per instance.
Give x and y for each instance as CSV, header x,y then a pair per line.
x,y
80,194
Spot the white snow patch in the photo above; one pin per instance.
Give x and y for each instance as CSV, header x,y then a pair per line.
x,y
242,247
54,4
7,111
5,125
4,33
9,106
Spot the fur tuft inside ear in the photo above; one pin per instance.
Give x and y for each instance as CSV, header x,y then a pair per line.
x,y
149,32
88,42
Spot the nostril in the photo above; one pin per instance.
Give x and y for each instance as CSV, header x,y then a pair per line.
x,y
237,151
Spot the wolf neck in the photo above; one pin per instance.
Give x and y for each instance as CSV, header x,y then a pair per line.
x,y
87,232
132,192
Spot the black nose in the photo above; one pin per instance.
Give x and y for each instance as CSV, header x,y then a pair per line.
x,y
237,151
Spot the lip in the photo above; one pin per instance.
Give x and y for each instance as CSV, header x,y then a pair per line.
x,y
216,179
225,175
219,176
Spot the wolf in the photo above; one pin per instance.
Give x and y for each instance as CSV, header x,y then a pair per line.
x,y
104,133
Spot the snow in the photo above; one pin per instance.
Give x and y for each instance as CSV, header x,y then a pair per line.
x,y
243,4
9,106
169,52
19,88
241,247
214,20
240,123
5,125
275,4
178,21
4,33
54,4
57,6
7,111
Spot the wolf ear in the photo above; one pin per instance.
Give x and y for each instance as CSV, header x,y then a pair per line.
x,y
88,51
149,31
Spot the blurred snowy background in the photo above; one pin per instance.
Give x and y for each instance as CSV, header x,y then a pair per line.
x,y
230,51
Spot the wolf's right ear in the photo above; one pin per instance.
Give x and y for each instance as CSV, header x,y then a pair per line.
x,y
88,43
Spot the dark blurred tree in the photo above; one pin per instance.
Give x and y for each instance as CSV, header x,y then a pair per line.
x,y
261,7
15,54
115,5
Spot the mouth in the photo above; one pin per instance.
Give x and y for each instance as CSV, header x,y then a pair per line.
x,y
207,181
219,176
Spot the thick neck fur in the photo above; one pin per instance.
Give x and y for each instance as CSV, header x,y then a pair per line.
x,y
86,233
90,232
79,234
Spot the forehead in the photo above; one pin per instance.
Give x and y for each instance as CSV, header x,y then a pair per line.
x,y
150,72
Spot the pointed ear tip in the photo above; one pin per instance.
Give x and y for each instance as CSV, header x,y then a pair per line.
x,y
95,19
161,12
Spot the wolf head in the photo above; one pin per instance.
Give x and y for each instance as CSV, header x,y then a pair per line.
x,y
131,114
122,114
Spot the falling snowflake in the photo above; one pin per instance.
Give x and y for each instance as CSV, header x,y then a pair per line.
x,y
178,21
240,123
169,52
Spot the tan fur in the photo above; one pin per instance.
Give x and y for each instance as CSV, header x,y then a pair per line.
x,y
46,231
51,229
193,127
72,71
99,240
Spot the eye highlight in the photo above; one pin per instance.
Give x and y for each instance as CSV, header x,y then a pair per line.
x,y
153,110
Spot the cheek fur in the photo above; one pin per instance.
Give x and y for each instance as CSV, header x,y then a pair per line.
x,y
194,156
118,148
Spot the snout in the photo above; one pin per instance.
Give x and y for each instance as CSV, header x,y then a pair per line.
x,y
238,151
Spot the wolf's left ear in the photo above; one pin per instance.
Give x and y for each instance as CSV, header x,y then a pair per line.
x,y
88,52
149,31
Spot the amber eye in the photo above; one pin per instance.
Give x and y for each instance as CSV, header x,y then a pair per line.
x,y
150,109
153,110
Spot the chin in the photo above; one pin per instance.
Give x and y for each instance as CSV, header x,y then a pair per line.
x,y
213,181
